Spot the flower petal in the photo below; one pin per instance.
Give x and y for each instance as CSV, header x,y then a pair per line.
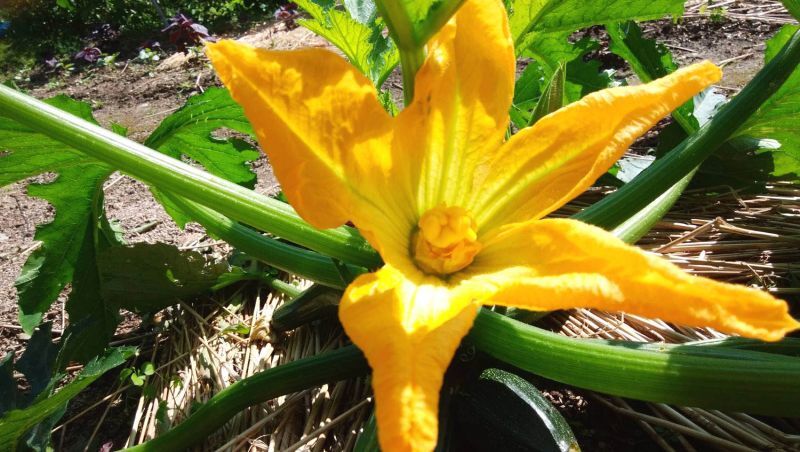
x,y
460,109
546,165
408,330
315,116
559,264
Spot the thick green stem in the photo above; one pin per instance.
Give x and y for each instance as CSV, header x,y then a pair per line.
x,y
637,226
171,175
666,172
308,264
793,6
753,382
341,364
410,61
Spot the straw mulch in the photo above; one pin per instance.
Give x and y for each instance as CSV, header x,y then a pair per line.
x,y
746,239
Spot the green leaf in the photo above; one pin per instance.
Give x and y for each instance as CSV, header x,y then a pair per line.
x,y
67,243
527,91
648,58
523,16
148,368
66,4
38,360
502,411
14,424
551,50
363,11
778,117
191,132
357,33
151,277
553,97
553,16
137,379
541,29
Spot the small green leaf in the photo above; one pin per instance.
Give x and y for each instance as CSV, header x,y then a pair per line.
x,y
148,368
553,97
137,379
66,4
239,328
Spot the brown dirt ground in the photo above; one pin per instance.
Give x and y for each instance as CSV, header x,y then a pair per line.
x,y
139,96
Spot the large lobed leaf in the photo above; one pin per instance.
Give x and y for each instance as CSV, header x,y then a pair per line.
x,y
356,32
73,243
48,407
191,132
541,30
779,117
68,242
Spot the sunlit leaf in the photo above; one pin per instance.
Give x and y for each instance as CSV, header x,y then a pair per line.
x,y
356,32
779,117
542,30
192,132
68,243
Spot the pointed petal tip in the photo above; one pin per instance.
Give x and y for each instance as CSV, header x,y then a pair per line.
x,y
787,325
699,75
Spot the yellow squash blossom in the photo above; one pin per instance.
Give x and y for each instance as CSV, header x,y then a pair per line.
x,y
456,212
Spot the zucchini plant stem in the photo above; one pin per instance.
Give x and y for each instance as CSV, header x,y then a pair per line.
x,y
171,175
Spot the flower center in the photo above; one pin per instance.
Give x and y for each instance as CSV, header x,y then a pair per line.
x,y
446,241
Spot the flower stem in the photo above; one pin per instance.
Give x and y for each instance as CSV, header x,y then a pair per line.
x,y
307,264
410,61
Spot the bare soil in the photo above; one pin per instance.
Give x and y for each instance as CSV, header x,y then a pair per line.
x,y
138,96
